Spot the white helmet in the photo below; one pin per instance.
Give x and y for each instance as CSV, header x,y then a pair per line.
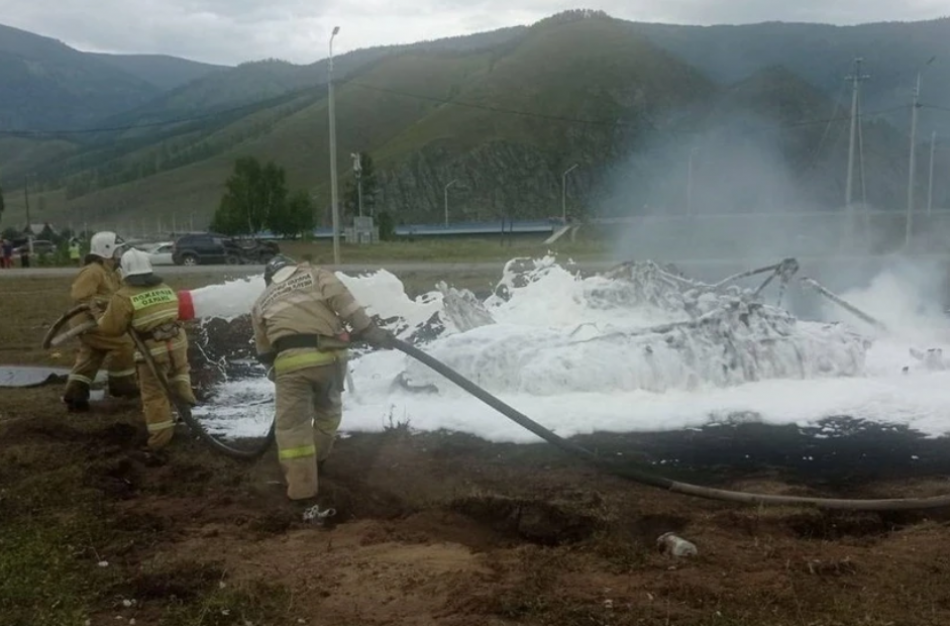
x,y
105,244
135,263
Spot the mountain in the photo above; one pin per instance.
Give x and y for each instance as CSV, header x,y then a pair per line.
x,y
161,71
259,80
47,85
823,55
504,114
425,115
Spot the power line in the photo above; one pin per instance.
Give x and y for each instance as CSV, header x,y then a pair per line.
x,y
608,123
26,133
287,97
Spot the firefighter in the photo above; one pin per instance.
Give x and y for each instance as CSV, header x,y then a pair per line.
x,y
299,333
150,307
94,285
75,251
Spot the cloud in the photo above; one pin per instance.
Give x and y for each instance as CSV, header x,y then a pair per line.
x,y
233,31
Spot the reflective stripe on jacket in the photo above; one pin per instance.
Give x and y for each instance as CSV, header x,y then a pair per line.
x,y
144,309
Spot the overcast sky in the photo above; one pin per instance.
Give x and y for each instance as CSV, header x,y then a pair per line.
x,y
232,31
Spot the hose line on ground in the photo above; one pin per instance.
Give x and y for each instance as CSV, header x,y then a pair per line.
x,y
184,410
630,473
654,480
52,339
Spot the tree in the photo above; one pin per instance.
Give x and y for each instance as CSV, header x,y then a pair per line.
x,y
370,188
294,217
387,226
253,193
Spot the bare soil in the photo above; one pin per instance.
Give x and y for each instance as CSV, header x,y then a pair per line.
x,y
440,528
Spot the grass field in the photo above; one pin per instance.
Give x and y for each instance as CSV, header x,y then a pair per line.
x,y
458,250
434,528
437,250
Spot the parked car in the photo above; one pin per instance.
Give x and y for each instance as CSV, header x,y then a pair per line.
x,y
211,248
160,253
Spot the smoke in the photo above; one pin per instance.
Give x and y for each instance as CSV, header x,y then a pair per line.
x,y
906,295
731,192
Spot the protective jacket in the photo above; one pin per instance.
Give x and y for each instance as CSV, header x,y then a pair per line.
x,y
312,303
298,328
152,311
94,285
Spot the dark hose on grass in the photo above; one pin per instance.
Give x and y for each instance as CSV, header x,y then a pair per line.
x,y
623,471
184,410
653,480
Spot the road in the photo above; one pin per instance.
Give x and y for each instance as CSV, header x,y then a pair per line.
x,y
697,267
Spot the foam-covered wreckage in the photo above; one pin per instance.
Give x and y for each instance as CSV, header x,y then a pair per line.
x,y
716,335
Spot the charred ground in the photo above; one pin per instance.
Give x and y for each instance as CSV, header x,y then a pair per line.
x,y
444,528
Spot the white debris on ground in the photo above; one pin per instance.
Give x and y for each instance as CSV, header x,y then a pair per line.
x,y
638,348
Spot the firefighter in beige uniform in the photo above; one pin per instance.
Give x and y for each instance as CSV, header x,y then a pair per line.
x,y
94,285
150,307
298,332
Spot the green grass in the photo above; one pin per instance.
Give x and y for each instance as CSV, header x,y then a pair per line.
x,y
449,250
41,579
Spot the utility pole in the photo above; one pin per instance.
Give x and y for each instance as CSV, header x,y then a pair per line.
x,y
913,156
334,200
564,192
29,223
446,190
930,184
856,78
358,172
689,182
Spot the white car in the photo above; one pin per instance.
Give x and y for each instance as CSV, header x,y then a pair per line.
x,y
159,253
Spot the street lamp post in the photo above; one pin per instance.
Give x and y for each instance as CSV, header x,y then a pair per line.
x,y
930,182
334,200
689,182
564,192
358,172
913,155
446,191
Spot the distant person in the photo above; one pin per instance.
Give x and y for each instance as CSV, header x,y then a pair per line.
x,y
25,255
74,252
150,307
95,284
6,254
299,334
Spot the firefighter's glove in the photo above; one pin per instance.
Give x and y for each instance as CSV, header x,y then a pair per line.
x,y
378,337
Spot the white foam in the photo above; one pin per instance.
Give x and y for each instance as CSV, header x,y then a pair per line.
x,y
564,351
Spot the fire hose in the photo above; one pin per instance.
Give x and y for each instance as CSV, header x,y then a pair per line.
x,y
54,338
654,480
612,467
184,411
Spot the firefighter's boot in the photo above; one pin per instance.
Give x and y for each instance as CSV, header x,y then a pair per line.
x,y
123,387
76,396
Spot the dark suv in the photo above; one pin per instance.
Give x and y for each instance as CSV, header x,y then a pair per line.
x,y
211,248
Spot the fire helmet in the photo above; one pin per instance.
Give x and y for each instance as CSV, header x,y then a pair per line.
x,y
279,269
135,263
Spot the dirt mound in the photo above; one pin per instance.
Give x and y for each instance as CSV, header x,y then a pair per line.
x,y
433,528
